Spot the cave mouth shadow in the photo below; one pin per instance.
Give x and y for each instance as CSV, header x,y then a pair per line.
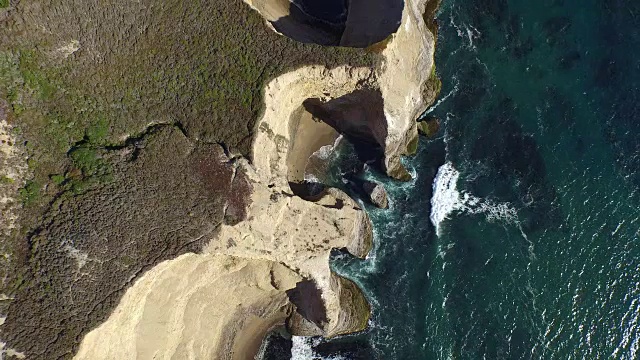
x,y
359,116
307,298
349,23
336,140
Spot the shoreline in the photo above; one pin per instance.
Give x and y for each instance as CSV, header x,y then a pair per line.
x,y
276,244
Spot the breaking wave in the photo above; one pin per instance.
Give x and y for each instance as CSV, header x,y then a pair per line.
x,y
447,199
302,349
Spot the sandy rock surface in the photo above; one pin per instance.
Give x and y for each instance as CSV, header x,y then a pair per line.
x,y
403,80
189,308
13,169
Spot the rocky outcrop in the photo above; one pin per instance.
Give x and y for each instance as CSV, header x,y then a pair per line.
x,y
370,191
94,215
359,116
284,244
196,306
287,228
429,127
166,198
376,194
404,80
280,228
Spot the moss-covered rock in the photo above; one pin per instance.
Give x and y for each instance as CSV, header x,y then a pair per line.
x,y
429,127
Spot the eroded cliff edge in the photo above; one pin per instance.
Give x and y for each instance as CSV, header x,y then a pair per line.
x,y
278,276
124,122
272,269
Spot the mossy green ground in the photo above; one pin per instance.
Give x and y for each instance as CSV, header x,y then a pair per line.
x,y
191,69
176,63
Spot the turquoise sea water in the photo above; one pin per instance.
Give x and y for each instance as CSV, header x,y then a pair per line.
x,y
519,237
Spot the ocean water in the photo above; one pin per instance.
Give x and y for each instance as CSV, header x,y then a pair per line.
x,y
519,236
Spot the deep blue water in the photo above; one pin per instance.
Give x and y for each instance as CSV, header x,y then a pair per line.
x,y
537,171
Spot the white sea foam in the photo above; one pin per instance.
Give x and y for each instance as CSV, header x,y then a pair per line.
x,y
301,348
629,346
444,98
311,178
446,199
466,32
324,152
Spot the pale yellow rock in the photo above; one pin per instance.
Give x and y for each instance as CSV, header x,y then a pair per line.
x,y
195,307
408,60
285,228
306,136
402,78
270,10
67,49
283,100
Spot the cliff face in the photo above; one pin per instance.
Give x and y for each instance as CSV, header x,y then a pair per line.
x,y
195,306
281,229
354,23
403,79
405,82
164,169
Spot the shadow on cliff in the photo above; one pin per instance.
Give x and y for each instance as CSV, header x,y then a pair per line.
x,y
359,116
352,23
307,298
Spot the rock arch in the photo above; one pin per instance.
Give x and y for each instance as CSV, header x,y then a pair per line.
x,y
351,23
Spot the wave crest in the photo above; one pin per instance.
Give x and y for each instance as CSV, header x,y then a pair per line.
x,y
447,199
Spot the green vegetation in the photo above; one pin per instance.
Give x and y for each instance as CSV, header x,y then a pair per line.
x,y
30,193
206,75
380,46
435,80
429,17
412,146
89,169
86,160
34,78
98,131
429,127
6,180
4,4
201,64
57,179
